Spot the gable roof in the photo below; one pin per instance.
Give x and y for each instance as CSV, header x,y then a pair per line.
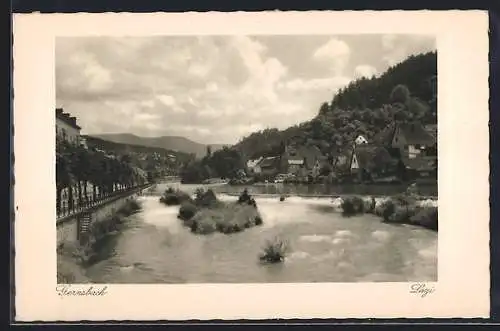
x,y
253,163
414,133
268,162
369,155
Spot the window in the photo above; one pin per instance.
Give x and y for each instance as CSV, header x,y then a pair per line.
x,y
63,133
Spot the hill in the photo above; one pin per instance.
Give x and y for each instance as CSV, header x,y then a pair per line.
x,y
173,143
152,159
405,92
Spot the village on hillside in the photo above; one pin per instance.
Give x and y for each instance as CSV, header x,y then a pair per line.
x,y
401,152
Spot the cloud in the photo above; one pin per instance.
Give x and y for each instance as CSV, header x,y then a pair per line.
x,y
398,47
335,52
211,89
167,100
331,84
364,70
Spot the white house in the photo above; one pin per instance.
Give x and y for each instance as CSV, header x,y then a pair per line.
x,y
360,140
66,127
253,165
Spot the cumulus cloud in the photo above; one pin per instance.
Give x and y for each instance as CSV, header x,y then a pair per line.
x,y
212,89
335,53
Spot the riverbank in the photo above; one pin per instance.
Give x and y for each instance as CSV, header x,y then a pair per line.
x,y
402,209
73,257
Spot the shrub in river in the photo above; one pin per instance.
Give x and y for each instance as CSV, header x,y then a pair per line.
x,y
401,214
274,251
205,198
426,217
258,220
226,218
173,197
387,209
282,198
352,206
369,205
129,208
244,197
187,210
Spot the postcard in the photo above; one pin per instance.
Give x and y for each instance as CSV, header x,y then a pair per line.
x,y
174,166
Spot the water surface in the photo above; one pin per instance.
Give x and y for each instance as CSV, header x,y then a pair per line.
x,y
325,247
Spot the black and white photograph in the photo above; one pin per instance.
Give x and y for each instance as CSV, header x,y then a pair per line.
x,y
246,158
251,166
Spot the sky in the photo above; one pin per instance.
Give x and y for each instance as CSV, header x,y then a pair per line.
x,y
214,89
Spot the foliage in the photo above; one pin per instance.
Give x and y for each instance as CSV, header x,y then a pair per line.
x,y
205,198
274,251
157,161
352,206
206,214
173,197
187,210
401,210
224,163
426,217
77,166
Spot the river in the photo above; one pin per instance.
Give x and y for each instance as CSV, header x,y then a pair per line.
x,y
325,247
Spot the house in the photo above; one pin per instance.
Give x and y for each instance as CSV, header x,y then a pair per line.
x,y
360,140
413,145
269,166
83,142
301,161
408,139
370,161
253,165
66,127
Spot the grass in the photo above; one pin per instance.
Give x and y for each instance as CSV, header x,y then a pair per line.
x,y
274,251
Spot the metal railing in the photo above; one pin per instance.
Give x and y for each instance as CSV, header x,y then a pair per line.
x,y
87,203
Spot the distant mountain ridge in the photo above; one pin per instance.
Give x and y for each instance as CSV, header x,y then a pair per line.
x,y
174,143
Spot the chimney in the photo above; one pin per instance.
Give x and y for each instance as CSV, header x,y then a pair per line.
x,y
59,111
72,119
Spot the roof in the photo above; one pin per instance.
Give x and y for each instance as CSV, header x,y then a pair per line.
x,y
66,118
369,155
414,133
253,163
268,162
310,154
341,161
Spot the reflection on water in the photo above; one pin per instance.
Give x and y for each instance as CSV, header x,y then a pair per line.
x,y
325,247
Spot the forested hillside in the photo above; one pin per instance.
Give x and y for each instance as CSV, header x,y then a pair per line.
x,y
151,159
404,92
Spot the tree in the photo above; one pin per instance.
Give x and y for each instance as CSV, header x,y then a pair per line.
x,y
400,94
